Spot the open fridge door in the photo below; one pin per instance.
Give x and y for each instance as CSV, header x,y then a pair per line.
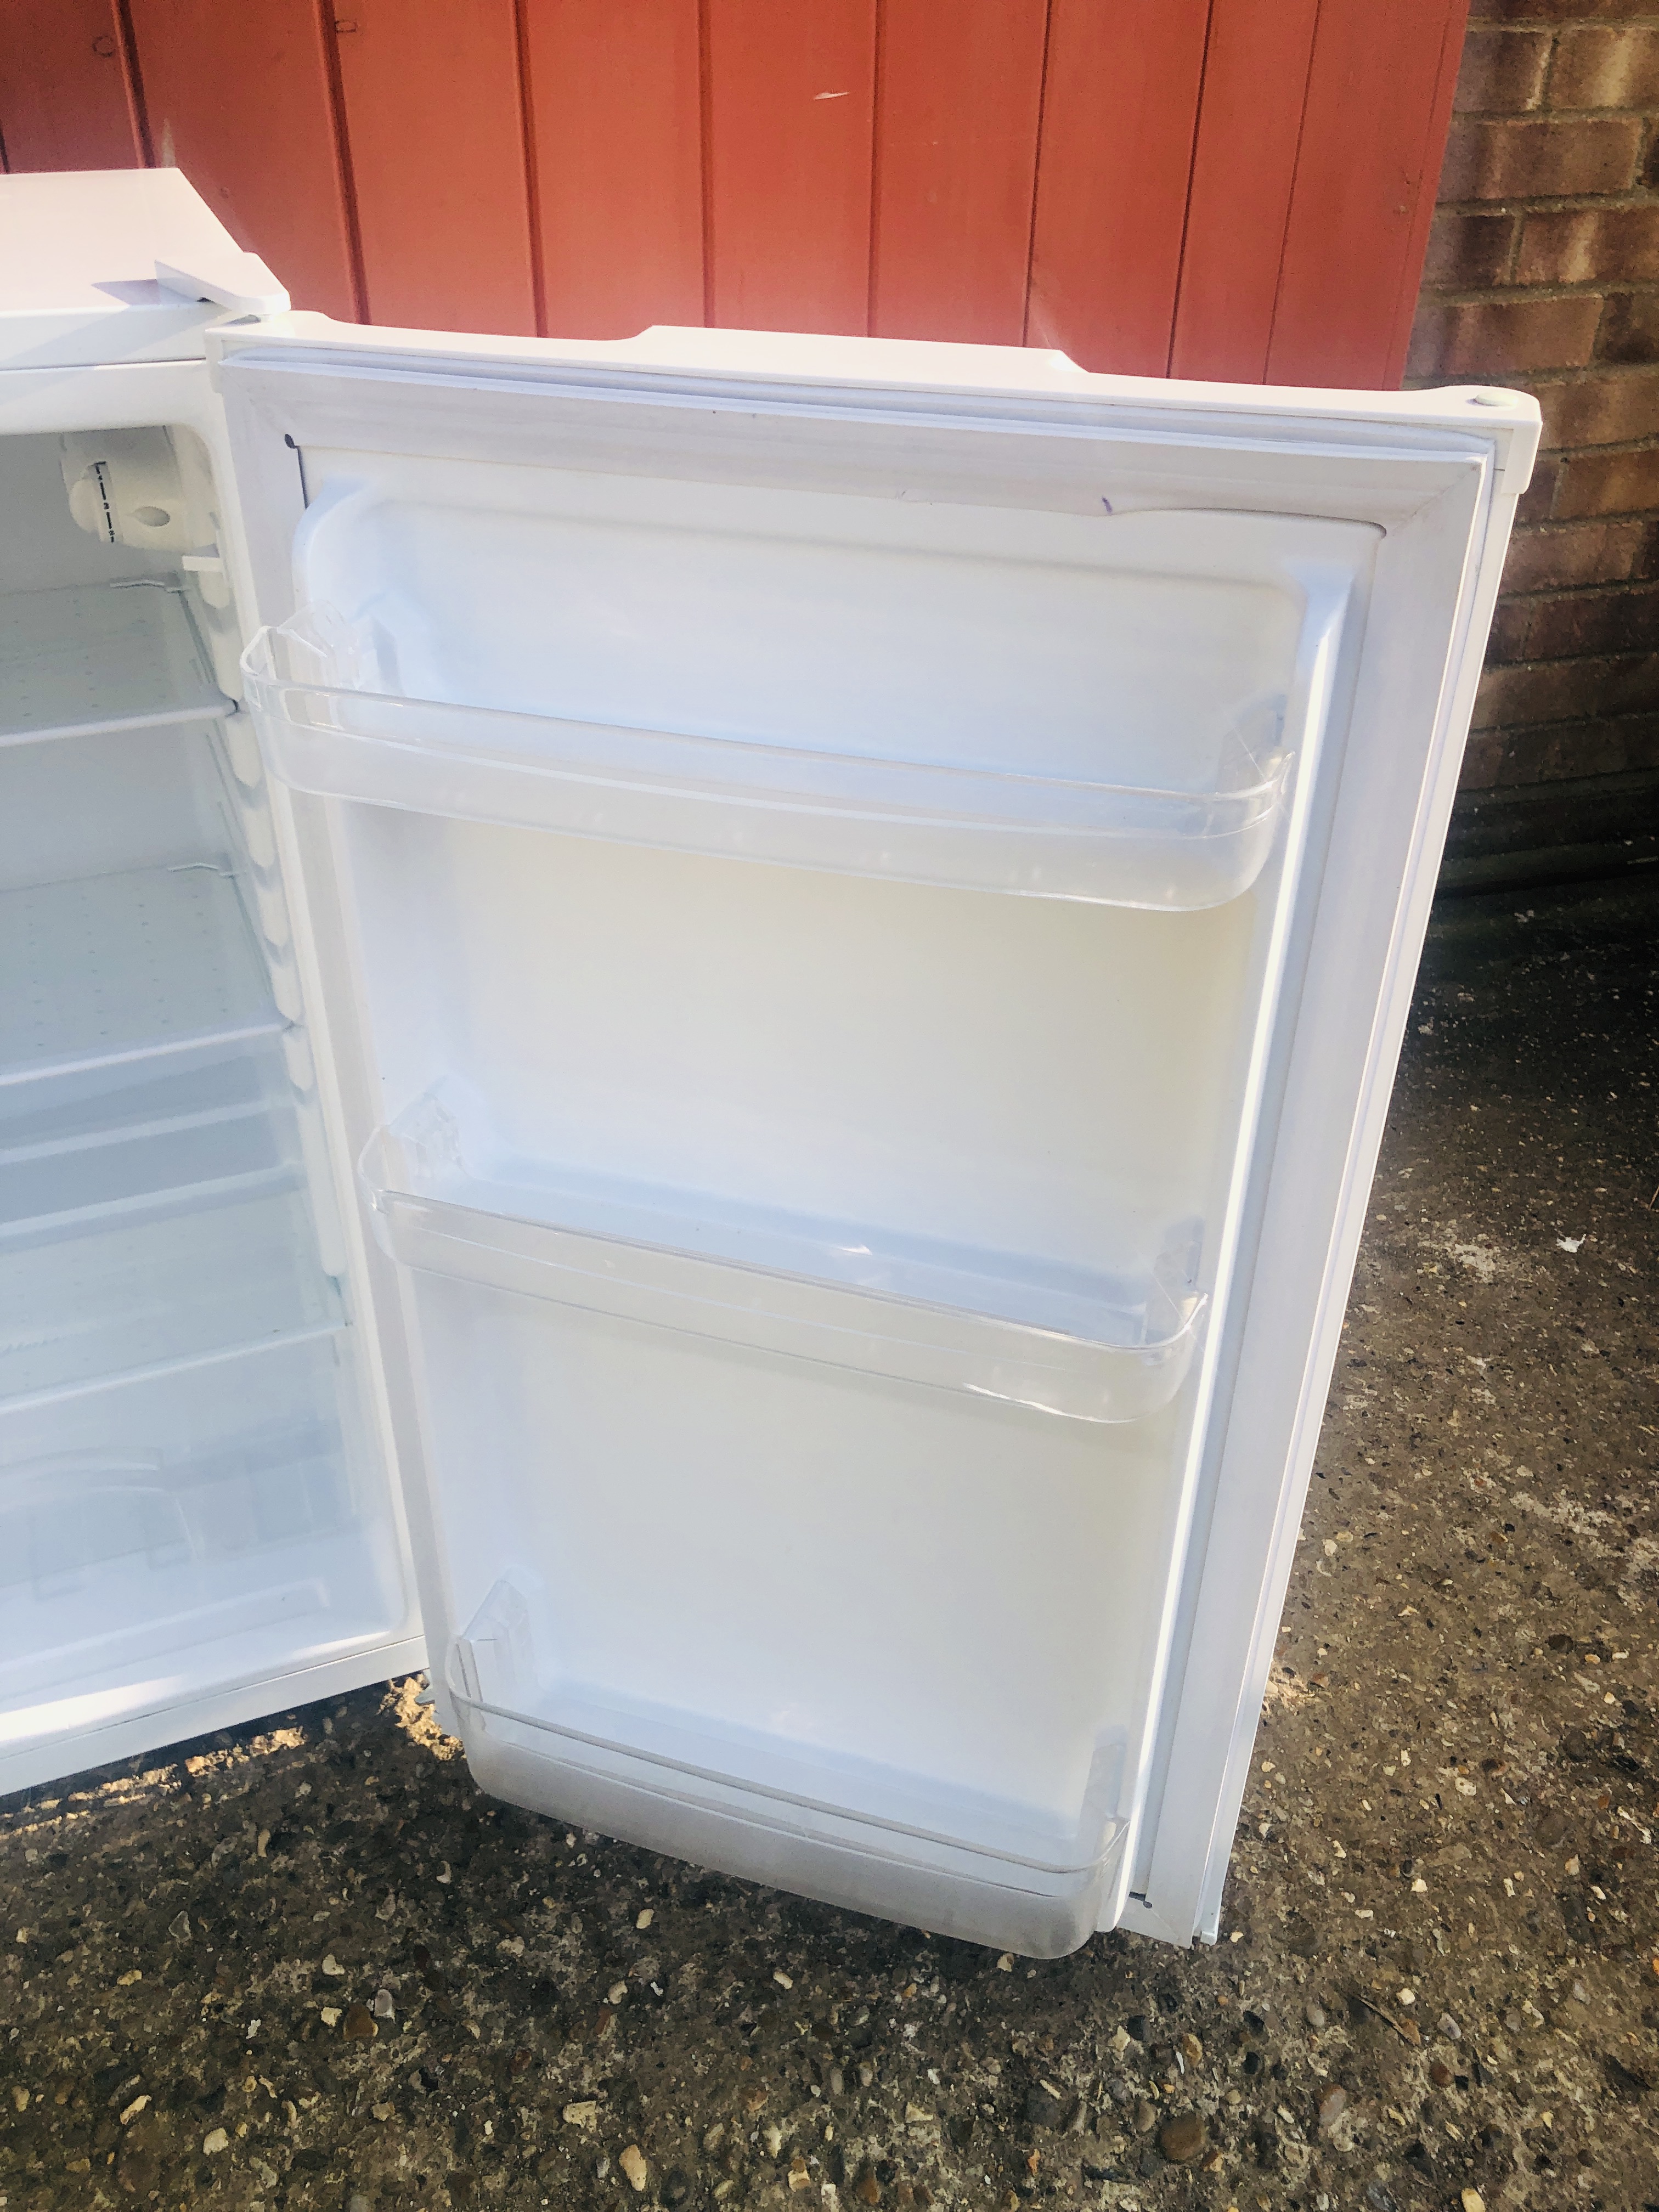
x,y
865,897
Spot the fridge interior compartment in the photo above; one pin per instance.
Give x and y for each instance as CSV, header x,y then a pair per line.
x,y
139,964
190,1500
447,1197
320,692
111,802
762,1798
208,1276
163,1535
140,1140
80,658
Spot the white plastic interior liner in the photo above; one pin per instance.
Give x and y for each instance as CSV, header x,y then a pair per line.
x,y
446,1197
331,725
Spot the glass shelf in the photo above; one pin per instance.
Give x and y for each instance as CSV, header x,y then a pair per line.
x,y
100,657
148,963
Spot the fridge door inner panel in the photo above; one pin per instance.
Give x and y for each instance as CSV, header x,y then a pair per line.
x,y
817,868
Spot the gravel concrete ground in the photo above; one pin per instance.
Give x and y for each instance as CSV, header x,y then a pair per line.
x,y
306,1966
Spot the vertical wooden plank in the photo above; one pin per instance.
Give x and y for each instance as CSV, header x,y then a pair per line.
x,y
958,104
1373,136
1250,123
1120,101
615,100
238,96
435,130
790,92
64,98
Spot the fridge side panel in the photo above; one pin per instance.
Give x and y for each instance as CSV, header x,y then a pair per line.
x,y
1360,969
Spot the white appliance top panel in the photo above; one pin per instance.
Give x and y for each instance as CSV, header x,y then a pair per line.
x,y
79,257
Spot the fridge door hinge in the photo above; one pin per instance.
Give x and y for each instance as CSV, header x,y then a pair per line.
x,y
239,282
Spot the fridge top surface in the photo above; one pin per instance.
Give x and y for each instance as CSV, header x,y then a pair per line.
x,y
81,258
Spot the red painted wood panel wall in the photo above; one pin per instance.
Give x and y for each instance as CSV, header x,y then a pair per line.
x,y
66,93
1216,188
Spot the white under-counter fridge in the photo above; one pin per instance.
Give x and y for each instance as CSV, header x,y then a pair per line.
x,y
697,1029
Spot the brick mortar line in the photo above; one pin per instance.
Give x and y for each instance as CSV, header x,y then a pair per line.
x,y
1635,658
1580,521
1557,373
1627,200
1626,715
1529,381
1625,663
1623,588
1509,731
1558,378
1645,114
1586,718
1533,118
1559,23
1523,295
1528,666
1502,733
1583,585
1515,736
1614,451
1618,587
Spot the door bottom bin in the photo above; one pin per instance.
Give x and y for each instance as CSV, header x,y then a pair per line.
x,y
824,1825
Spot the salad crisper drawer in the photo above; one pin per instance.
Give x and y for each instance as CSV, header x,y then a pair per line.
x,y
165,1533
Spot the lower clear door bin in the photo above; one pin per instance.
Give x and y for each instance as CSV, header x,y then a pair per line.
x,y
826,1825
169,1533
446,1198
331,722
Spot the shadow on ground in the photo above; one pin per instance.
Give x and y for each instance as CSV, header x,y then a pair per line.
x,y
307,1965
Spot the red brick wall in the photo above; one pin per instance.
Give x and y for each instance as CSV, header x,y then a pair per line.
x,y
1543,272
